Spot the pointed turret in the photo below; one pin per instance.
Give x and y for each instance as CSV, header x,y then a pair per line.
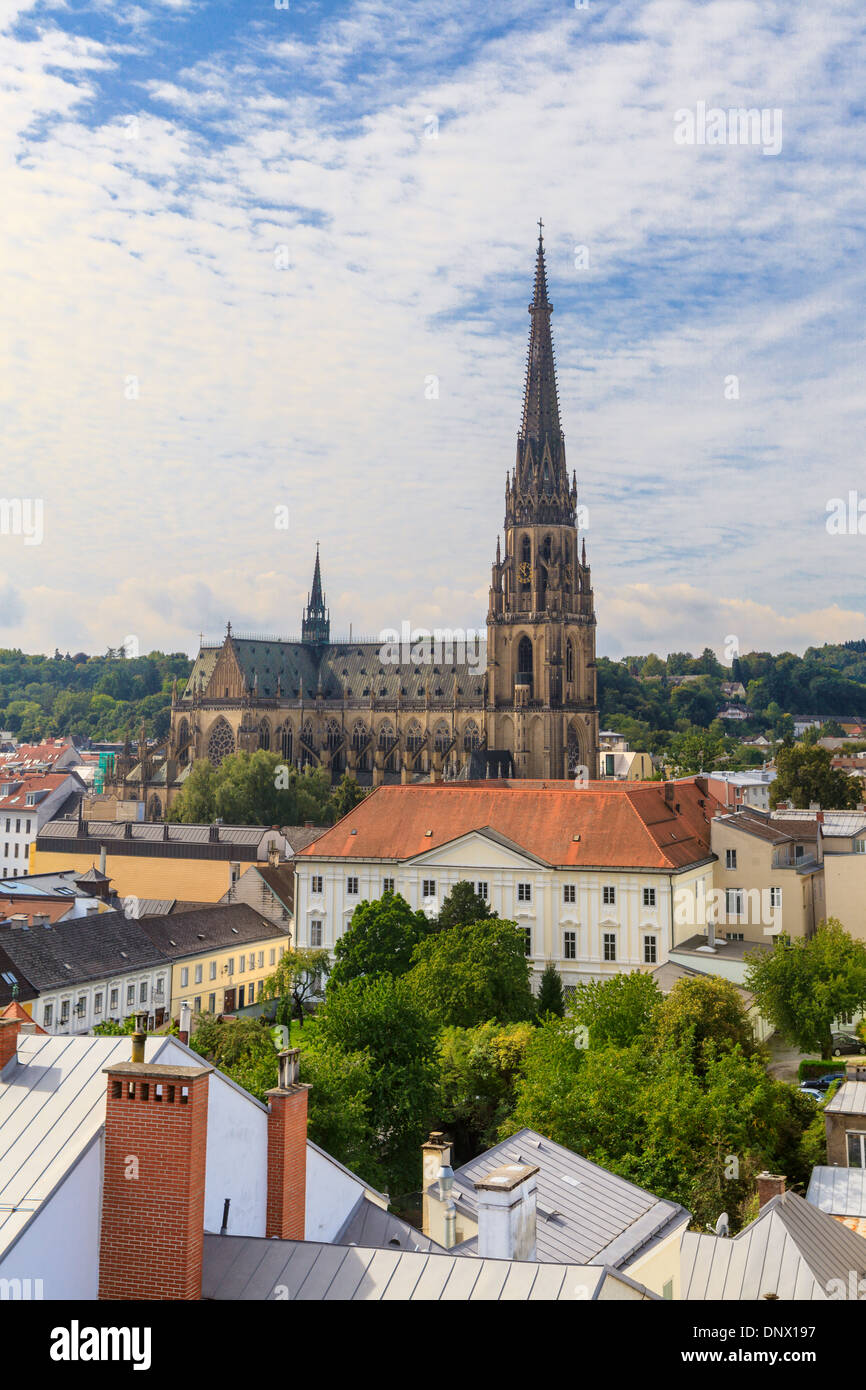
x,y
540,490
316,625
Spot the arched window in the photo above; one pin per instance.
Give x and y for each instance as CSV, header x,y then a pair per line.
x,y
524,660
154,809
387,737
286,741
442,738
183,742
414,737
220,743
333,735
471,736
546,549
307,743
264,735
524,572
359,743
569,660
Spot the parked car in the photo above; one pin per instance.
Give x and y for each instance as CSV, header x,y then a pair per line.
x,y
844,1044
824,1082
806,1089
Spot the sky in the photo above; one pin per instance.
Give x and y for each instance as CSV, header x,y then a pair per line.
x,y
266,270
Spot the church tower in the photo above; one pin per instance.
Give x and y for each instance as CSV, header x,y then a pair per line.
x,y
541,671
316,624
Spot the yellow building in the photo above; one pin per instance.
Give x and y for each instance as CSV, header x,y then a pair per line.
x,y
219,957
191,863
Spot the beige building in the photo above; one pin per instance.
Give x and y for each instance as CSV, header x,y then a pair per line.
x,y
218,957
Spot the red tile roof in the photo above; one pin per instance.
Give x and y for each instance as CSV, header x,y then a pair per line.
x,y
28,782
605,825
14,1010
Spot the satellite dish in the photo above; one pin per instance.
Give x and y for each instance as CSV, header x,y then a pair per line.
x,y
723,1226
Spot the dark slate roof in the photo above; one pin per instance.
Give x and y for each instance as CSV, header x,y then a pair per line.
x,y
370,1225
355,667
9,967
791,1249
223,924
83,948
299,836
585,1214
93,875
239,1268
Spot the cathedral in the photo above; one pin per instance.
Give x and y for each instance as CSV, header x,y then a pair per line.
x,y
527,708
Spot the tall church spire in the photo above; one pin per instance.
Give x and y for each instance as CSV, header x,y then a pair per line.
x,y
541,491
316,625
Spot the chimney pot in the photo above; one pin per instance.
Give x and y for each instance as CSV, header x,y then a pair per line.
x,y
769,1185
507,1213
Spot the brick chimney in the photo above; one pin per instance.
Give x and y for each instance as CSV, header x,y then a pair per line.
x,y
507,1204
287,1151
9,1028
769,1185
153,1182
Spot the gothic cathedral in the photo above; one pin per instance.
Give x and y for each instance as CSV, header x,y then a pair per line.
x,y
530,711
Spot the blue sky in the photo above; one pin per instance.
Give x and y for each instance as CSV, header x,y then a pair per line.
x,y
239,241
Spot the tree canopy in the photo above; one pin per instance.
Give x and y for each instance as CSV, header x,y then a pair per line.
x,y
462,906
804,775
256,789
473,974
380,939
803,986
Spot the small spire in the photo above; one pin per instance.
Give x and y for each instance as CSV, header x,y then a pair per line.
x,y
228,629
583,552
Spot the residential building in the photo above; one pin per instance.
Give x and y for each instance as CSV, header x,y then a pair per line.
x,y
271,891
71,1112
27,801
195,863
790,1251
845,1119
564,1209
52,755
735,713
841,1193
617,760
750,788
219,956
589,874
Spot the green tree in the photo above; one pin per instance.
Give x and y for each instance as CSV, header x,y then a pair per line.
x,y
803,986
463,906
804,775
702,1010
616,1011
470,974
340,1106
551,999
382,1020
243,1048
346,796
694,752
380,939
477,1070
298,979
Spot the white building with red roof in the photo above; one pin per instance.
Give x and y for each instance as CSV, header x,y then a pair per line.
x,y
592,874
28,800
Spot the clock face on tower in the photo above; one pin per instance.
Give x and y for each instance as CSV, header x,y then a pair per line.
x,y
524,572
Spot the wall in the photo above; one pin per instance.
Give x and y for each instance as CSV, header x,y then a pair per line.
x,y
755,871
61,1245
145,876
270,948
845,888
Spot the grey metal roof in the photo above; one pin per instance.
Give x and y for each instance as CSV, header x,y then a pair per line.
x,y
239,1268
585,1214
371,1225
726,950
850,1099
791,1250
155,832
838,1191
223,924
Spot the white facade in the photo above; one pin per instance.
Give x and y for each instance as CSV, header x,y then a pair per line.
x,y
77,1008
592,923
23,812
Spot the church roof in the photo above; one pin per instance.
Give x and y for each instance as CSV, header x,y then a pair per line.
x,y
353,667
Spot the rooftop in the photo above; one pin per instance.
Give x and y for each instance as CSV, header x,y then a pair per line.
x,y
603,825
223,924
850,1099
838,1191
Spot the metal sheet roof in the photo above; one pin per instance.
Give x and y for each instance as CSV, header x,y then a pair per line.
x,y
371,1225
850,1099
251,1268
792,1251
838,1191
585,1213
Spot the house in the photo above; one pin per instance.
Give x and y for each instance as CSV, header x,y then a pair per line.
x,y
52,755
845,1119
108,966
209,1157
790,1251
219,956
589,873
528,1197
841,1192
735,690
196,863
751,788
733,712
27,801
616,759
271,891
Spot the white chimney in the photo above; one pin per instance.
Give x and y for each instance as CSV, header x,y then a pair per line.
x,y
185,1022
507,1201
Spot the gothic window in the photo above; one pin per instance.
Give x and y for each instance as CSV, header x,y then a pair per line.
x,y
286,740
183,741
442,738
566,553
387,738
414,737
524,569
546,548
307,743
264,735
471,736
154,809
569,660
220,743
574,759
524,661
359,735
333,736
